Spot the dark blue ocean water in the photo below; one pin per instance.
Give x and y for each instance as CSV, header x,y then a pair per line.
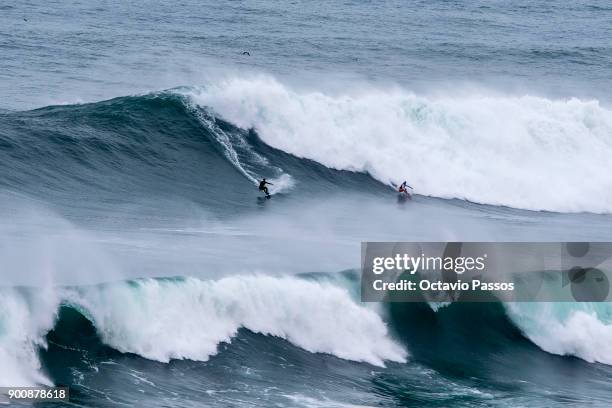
x,y
142,267
80,50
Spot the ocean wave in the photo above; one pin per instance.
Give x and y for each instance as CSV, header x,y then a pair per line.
x,y
164,319
24,321
583,330
157,143
525,152
186,318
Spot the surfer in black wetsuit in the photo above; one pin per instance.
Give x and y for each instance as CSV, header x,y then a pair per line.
x,y
262,187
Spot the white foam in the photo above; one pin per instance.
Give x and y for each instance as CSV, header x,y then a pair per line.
x,y
520,151
23,324
582,330
309,402
168,319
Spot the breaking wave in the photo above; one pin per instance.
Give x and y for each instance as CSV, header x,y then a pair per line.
x,y
519,151
186,318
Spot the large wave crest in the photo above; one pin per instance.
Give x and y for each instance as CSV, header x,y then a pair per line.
x,y
525,152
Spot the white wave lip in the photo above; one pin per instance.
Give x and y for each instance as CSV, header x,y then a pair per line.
x,y
23,325
582,330
188,319
524,152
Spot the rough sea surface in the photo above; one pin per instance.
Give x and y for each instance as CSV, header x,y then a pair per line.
x,y
140,265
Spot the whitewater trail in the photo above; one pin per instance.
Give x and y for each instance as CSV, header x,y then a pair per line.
x,y
520,151
234,147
